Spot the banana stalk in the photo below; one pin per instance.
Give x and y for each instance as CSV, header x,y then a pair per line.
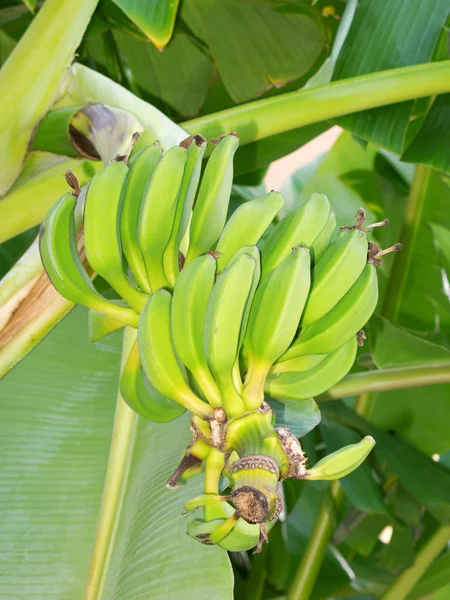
x,y
50,41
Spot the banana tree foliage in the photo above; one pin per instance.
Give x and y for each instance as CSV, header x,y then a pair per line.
x,y
84,508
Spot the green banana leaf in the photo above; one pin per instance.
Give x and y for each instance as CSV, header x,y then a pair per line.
x,y
155,18
57,417
270,60
401,39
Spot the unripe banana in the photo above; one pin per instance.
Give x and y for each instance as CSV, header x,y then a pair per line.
x,y
101,231
157,213
323,240
101,325
299,227
335,273
299,364
160,363
342,462
190,299
223,323
342,322
146,138
139,395
246,225
196,146
210,210
241,537
141,167
274,319
307,384
59,254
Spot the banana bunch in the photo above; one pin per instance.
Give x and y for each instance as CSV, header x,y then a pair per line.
x,y
227,315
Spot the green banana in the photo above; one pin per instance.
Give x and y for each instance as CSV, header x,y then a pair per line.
x,y
241,537
210,210
141,167
157,213
299,364
274,319
196,146
335,273
100,325
62,262
101,231
223,323
190,299
307,384
160,363
246,226
144,139
299,227
323,240
139,395
342,462
342,322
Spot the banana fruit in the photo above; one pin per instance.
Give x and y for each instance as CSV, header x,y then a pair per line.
x,y
141,397
141,167
342,322
301,226
225,312
300,385
246,226
63,264
190,300
210,210
160,362
335,273
102,231
274,319
196,146
157,213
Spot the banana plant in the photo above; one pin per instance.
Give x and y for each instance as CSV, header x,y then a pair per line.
x,y
254,360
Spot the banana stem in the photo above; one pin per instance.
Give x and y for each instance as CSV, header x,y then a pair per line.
x,y
122,441
387,379
309,568
214,464
262,118
413,217
406,581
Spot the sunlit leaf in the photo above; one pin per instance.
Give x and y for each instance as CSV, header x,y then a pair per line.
x,y
156,18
